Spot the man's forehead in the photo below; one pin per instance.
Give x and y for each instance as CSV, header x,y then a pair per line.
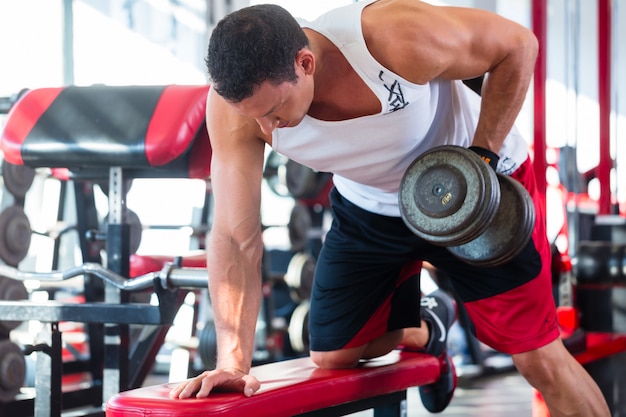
x,y
264,99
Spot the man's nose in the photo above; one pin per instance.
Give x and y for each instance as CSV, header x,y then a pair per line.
x,y
267,124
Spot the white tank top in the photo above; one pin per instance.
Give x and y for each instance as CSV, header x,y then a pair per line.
x,y
368,155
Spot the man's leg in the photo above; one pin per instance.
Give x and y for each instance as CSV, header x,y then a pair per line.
x,y
566,387
350,357
367,291
438,312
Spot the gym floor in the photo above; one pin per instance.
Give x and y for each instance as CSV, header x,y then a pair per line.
x,y
495,396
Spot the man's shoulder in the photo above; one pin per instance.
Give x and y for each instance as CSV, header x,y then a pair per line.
x,y
224,123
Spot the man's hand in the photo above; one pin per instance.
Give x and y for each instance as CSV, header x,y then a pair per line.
x,y
229,379
486,155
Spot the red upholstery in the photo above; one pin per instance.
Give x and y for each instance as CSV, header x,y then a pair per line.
x,y
288,388
136,127
144,264
174,123
21,119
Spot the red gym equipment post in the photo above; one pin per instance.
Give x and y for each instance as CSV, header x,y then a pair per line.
x,y
605,17
539,24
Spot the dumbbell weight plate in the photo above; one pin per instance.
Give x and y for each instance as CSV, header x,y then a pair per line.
x,y
617,265
599,262
207,345
304,182
299,275
17,178
15,235
274,173
11,290
299,328
509,231
136,229
448,196
299,226
12,370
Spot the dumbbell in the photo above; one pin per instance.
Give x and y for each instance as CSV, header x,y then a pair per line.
x,y
600,262
299,276
15,235
11,290
17,178
450,197
12,370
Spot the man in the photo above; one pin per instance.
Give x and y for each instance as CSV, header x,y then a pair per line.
x,y
361,92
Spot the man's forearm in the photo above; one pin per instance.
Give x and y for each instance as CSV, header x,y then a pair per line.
x,y
503,95
235,289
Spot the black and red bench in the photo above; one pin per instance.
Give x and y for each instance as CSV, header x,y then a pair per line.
x,y
159,129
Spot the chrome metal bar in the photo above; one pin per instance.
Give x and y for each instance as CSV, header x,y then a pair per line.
x,y
169,277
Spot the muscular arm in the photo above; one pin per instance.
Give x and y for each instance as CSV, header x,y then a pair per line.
x,y
422,42
235,245
234,249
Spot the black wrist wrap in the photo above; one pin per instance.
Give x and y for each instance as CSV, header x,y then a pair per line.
x,y
486,155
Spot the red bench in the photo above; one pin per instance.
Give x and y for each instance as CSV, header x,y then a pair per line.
x,y
295,387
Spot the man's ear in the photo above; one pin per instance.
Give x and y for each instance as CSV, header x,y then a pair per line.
x,y
305,60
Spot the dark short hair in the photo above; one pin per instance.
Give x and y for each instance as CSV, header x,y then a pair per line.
x,y
252,45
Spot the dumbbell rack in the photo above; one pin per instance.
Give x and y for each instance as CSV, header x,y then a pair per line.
x,y
123,368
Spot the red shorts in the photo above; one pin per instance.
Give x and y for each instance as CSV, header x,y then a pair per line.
x,y
523,318
363,288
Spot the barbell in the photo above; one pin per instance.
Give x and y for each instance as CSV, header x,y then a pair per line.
x,y
450,197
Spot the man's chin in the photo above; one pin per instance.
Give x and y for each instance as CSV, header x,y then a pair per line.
x,y
291,124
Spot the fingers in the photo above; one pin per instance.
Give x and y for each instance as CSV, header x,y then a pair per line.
x,y
175,392
187,388
224,380
206,386
251,386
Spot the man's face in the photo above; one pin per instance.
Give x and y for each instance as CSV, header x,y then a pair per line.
x,y
276,106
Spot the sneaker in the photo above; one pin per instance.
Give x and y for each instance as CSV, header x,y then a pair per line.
x,y
439,312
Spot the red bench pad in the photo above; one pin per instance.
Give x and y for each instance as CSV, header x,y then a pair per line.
x,y
144,264
287,388
103,126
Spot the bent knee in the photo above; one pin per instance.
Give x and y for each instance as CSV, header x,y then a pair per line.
x,y
544,366
337,359
534,369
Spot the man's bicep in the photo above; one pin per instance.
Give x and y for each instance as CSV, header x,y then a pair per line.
x,y
236,175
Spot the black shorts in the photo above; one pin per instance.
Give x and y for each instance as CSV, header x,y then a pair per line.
x,y
367,283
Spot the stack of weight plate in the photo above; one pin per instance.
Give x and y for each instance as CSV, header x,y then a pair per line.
x,y
15,235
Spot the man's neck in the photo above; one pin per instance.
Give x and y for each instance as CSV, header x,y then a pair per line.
x,y
340,93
